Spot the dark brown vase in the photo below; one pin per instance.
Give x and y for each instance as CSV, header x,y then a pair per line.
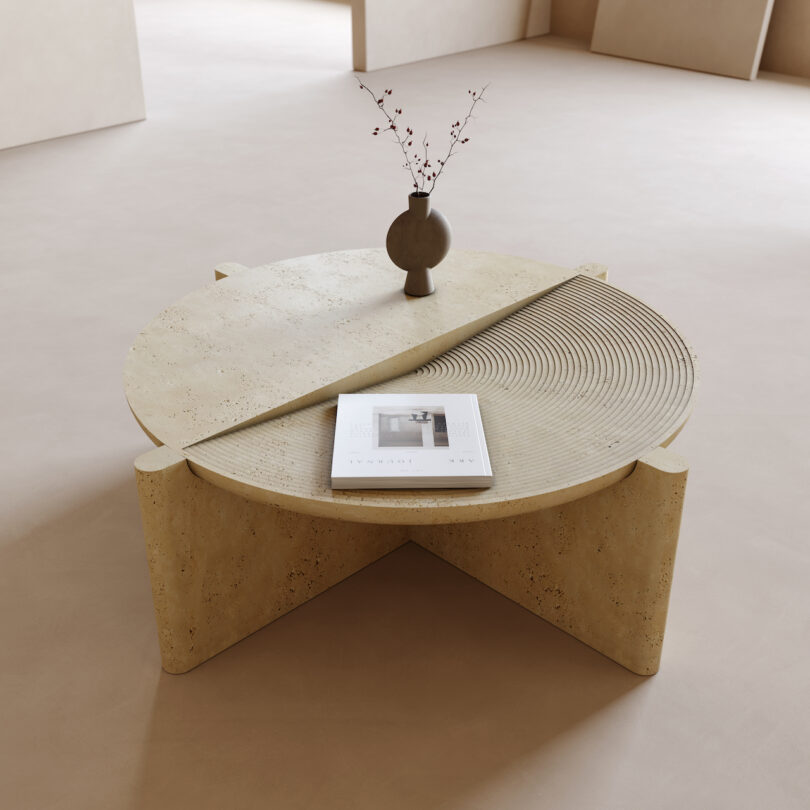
x,y
417,240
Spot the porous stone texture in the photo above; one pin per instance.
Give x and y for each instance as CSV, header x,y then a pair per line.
x,y
276,338
221,566
573,389
599,568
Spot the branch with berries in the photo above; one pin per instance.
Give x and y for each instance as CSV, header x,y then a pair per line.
x,y
423,173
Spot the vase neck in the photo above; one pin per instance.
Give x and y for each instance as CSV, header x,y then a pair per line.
x,y
419,206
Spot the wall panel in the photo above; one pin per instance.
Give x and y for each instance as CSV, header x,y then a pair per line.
x,y
573,18
67,66
720,36
787,46
394,32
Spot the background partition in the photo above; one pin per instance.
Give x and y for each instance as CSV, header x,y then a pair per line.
x,y
722,36
787,48
67,66
392,32
787,39
573,18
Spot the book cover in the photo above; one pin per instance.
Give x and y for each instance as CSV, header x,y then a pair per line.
x,y
398,441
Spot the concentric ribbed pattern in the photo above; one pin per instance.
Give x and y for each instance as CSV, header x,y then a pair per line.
x,y
573,389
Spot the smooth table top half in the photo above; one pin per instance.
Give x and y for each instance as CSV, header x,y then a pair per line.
x,y
576,379
276,338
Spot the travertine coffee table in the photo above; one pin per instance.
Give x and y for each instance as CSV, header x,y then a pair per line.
x,y
581,388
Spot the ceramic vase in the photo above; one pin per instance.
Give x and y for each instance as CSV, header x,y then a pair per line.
x,y
418,240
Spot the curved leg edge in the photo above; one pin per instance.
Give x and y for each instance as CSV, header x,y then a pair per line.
x,y
222,567
599,568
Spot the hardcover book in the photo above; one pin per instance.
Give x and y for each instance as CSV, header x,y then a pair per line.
x,y
409,441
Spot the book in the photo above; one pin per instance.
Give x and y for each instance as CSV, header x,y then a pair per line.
x,y
409,441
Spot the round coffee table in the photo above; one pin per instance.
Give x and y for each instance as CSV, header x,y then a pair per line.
x,y
581,387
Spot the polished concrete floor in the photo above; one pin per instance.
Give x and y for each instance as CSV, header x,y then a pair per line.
x,y
409,685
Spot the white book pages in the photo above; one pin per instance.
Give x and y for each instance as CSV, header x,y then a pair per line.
x,y
404,441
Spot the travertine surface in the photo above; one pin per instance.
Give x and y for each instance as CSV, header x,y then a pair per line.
x,y
222,566
693,189
573,388
276,338
599,568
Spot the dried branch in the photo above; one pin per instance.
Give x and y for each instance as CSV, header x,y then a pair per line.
x,y
392,126
417,165
456,130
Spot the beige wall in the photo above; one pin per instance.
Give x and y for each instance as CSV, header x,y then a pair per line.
x,y
787,46
722,36
67,66
787,43
393,32
573,18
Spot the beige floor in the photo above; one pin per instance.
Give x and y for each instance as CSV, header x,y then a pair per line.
x,y
410,685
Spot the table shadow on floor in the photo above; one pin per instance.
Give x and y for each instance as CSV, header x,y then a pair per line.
x,y
404,686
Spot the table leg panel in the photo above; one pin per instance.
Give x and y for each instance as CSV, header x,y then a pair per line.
x,y
222,566
599,568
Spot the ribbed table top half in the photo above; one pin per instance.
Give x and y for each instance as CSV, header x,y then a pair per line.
x,y
275,338
574,388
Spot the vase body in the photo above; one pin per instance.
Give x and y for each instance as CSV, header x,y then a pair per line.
x,y
418,240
